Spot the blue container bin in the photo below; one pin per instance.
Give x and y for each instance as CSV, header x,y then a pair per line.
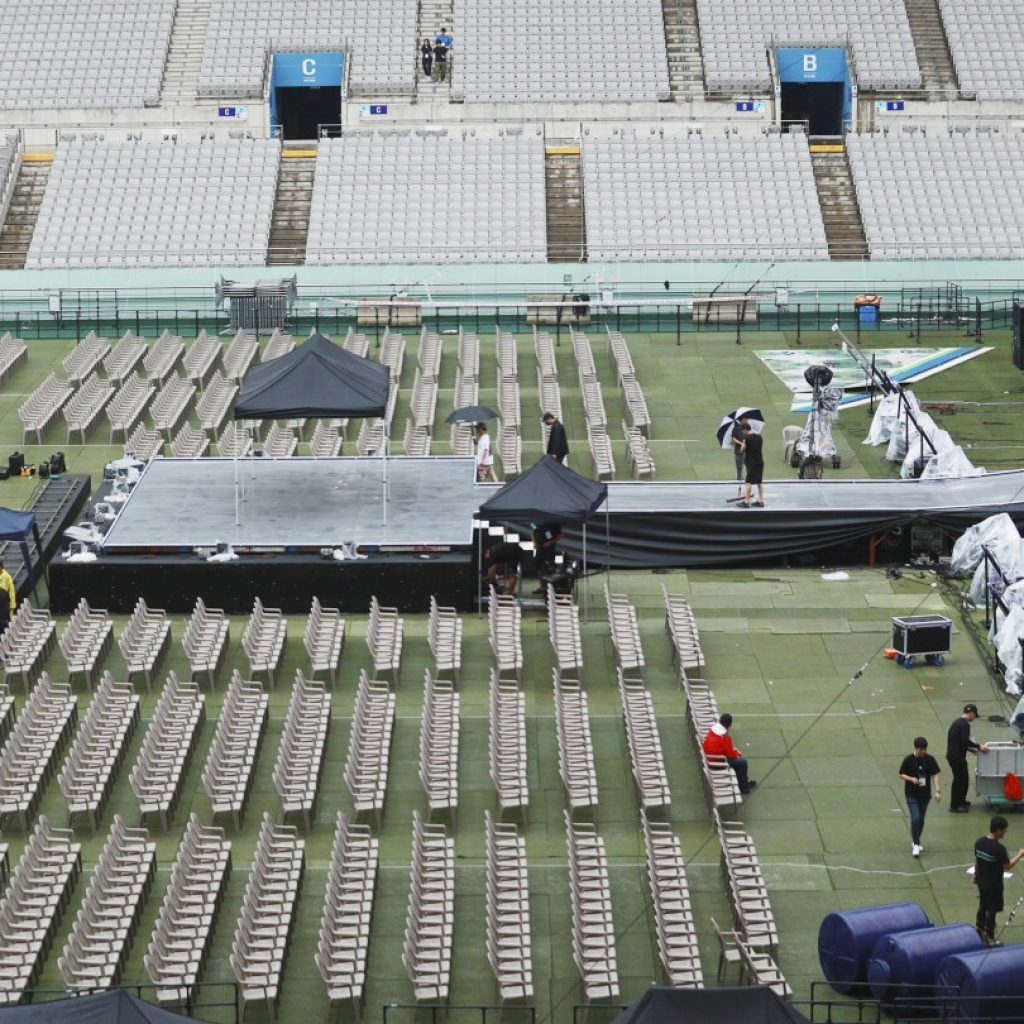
x,y
902,967
867,314
847,937
983,986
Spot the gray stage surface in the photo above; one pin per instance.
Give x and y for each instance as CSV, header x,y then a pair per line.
x,y
303,502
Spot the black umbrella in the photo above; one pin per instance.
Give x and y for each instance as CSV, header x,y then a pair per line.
x,y
472,414
730,419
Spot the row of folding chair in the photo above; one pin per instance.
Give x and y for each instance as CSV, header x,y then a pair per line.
x,y
505,627
99,749
324,640
163,356
6,712
27,642
263,641
41,407
144,444
128,405
41,886
548,390
508,910
227,774
45,724
300,756
239,355
369,748
564,633
423,402
638,453
83,359
215,402
428,359
444,634
167,748
264,928
748,892
673,909
190,443
83,408
171,404
384,635
86,640
200,358
439,744
13,355
280,442
625,629
348,912
430,918
279,344
326,441
602,458
469,355
145,640
633,399
681,626
183,932
104,928
417,440
507,744
593,927
205,641
508,446
575,745
644,743
721,788
124,357
392,353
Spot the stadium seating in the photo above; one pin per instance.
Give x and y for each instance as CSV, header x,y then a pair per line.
x,y
379,39
983,41
83,53
157,204
399,198
534,51
946,197
736,34
696,198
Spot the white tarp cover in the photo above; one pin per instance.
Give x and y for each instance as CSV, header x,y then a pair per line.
x,y
940,441
1008,648
967,549
953,462
1008,553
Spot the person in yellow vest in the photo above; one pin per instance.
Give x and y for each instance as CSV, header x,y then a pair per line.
x,y
8,600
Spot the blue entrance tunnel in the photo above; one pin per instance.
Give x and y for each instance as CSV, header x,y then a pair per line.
x,y
816,89
305,92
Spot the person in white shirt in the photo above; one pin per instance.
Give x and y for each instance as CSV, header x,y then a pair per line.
x,y
484,456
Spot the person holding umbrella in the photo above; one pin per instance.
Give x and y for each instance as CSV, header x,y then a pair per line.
x,y
753,458
484,455
736,436
730,433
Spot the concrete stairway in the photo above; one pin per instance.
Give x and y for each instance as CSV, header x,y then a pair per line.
x,y
433,14
290,225
844,229
682,36
16,235
185,56
933,56
563,182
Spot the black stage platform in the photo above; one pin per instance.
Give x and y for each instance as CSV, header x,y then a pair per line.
x,y
295,507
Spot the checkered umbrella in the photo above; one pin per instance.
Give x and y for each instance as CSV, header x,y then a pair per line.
x,y
724,432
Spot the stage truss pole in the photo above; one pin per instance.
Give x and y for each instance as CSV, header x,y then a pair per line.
x,y
238,511
384,472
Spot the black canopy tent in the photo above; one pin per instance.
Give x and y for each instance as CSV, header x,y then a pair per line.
x,y
748,1005
317,380
548,492
115,1006
20,526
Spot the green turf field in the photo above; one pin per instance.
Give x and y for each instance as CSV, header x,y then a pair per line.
x,y
824,718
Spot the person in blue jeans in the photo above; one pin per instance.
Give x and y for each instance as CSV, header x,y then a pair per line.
x,y
920,774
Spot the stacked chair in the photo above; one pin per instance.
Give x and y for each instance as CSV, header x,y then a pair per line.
x,y
444,633
348,910
184,927
101,937
231,760
83,408
681,626
575,746
163,356
505,622
439,745
644,744
263,640
300,756
129,405
40,409
6,712
200,359
625,629
238,356
564,632
46,723
215,402
189,443
508,911
145,641
40,890
384,636
673,910
86,640
324,640
265,923
83,359
167,749
96,755
430,919
593,930
206,641
369,749
124,357
507,744
27,642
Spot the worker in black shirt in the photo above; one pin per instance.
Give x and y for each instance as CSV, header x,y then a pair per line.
x,y
958,742
920,774
558,445
753,459
990,861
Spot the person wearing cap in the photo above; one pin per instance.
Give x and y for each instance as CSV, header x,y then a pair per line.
x,y
558,445
920,774
959,743
990,861
719,743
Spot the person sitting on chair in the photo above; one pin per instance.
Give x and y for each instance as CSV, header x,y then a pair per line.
x,y
719,742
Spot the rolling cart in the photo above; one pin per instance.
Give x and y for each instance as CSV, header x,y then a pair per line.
x,y
921,636
1003,756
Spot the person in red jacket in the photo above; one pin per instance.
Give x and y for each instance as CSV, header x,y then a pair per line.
x,y
718,741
